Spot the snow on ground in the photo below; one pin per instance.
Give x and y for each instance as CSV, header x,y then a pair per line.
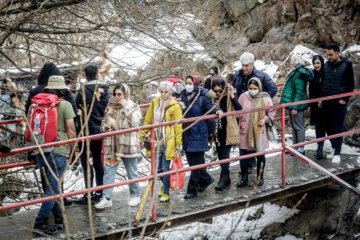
x,y
288,237
354,48
223,225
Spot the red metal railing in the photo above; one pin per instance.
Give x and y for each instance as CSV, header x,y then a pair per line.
x,y
152,127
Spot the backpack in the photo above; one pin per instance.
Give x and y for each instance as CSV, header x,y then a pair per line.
x,y
43,119
211,123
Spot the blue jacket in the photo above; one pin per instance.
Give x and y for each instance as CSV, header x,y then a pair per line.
x,y
239,81
195,139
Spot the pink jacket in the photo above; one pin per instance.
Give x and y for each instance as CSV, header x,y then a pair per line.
x,y
245,101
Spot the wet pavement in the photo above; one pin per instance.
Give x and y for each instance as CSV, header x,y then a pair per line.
x,y
120,215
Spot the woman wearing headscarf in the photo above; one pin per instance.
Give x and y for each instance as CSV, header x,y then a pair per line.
x,y
295,90
253,134
316,115
122,113
195,139
227,128
165,109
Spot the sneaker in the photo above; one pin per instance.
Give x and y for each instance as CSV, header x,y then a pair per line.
x,y
83,200
161,192
331,154
104,203
96,198
134,201
59,223
336,159
165,197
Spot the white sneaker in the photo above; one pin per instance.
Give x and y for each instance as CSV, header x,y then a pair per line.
x,y
336,159
331,154
134,201
104,203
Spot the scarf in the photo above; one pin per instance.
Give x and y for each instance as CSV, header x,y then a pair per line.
x,y
255,130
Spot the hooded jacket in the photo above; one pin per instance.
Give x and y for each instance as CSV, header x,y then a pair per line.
x,y
295,88
99,107
49,69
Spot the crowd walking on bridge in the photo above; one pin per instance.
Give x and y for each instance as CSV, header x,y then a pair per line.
x,y
249,88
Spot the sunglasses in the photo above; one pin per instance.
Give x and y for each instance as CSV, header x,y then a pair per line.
x,y
212,74
218,91
118,94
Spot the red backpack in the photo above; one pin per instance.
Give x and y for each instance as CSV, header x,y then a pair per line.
x,y
43,119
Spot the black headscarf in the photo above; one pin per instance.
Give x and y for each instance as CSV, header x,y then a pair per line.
x,y
319,74
49,69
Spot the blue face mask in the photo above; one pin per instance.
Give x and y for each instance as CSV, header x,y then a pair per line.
x,y
189,88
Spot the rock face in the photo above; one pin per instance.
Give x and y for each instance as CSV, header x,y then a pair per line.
x,y
323,213
270,29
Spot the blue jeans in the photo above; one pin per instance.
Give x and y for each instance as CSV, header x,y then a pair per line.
x,y
131,170
164,166
57,163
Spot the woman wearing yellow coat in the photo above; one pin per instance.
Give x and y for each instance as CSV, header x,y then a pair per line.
x,y
165,109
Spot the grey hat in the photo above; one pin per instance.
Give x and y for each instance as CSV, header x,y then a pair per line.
x,y
56,82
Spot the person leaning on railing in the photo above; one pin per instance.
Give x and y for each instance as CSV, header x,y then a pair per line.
x,y
195,138
164,109
121,114
227,128
253,134
295,90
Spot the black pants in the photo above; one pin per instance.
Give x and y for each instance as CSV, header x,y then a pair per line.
x,y
199,177
223,153
95,149
320,132
244,164
334,113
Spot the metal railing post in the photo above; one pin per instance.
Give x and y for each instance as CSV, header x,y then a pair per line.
x,y
283,162
153,168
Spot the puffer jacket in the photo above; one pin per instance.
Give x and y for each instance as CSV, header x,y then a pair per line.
x,y
195,139
295,88
173,112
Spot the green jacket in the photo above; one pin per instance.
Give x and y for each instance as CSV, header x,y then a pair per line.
x,y
295,88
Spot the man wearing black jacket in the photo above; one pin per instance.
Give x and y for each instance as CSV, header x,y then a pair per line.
x,y
339,78
101,99
241,78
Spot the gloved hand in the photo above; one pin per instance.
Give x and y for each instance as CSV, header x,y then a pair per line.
x,y
4,149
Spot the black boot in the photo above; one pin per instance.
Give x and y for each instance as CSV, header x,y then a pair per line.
x,y
59,223
260,168
41,225
244,181
223,183
319,152
261,181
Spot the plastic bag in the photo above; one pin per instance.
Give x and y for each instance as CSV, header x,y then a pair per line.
x,y
177,180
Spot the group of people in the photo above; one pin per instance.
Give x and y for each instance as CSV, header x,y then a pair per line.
x,y
250,88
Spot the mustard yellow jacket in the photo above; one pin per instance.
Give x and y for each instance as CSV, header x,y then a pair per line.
x,y
173,112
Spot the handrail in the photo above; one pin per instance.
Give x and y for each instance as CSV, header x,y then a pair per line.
x,y
187,120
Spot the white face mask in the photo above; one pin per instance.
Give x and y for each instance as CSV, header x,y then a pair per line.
x,y
254,92
189,88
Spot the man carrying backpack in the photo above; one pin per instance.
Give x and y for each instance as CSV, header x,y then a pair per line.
x,y
51,119
98,92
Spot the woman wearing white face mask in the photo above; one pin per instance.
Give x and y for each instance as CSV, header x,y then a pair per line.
x,y
253,134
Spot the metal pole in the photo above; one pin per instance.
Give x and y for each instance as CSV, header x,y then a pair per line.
x,y
323,170
153,168
283,162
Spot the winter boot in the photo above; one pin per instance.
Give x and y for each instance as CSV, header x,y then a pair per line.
x,y
223,183
41,225
244,181
319,152
59,223
260,179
